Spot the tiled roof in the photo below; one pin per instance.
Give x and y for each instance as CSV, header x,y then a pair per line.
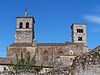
x,y
97,49
21,45
43,44
58,44
51,44
5,61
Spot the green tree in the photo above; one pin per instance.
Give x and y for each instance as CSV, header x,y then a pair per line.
x,y
26,64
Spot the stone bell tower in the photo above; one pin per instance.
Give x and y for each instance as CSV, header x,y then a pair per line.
x,y
79,33
24,29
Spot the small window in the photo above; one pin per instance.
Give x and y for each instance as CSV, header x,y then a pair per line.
x,y
60,53
79,38
58,59
21,25
45,56
71,60
4,68
71,52
79,30
27,25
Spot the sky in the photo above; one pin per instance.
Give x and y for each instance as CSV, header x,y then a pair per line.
x,y
53,20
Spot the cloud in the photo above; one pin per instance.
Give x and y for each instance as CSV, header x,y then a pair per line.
x,y
92,18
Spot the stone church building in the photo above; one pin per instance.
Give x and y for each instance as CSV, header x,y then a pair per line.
x,y
24,41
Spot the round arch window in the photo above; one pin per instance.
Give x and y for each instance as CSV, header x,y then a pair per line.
x,y
71,52
45,56
27,25
60,53
20,25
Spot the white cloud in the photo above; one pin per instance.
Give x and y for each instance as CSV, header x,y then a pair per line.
x,y
92,18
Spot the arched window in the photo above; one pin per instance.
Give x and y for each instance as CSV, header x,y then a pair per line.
x,y
4,68
27,25
71,60
79,38
45,56
70,52
20,25
60,53
79,30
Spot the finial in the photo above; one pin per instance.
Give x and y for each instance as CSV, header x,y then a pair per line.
x,y
25,13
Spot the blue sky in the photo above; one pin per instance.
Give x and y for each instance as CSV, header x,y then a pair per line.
x,y
53,20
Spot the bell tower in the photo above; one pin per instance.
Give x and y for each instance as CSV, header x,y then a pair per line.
x,y
79,33
24,29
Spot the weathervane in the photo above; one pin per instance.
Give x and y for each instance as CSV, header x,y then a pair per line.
x,y
26,13
26,9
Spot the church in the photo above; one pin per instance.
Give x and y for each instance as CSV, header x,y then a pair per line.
x,y
24,41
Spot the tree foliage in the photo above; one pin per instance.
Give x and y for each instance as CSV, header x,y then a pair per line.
x,y
26,64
